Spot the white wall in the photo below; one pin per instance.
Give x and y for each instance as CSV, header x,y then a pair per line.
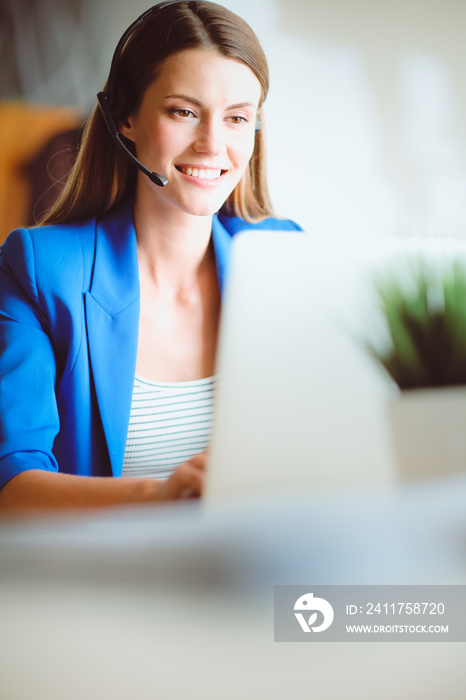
x,y
367,113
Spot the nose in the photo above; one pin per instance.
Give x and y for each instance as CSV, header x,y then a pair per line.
x,y
209,137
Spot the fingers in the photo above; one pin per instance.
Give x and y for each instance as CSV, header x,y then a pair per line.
x,y
187,481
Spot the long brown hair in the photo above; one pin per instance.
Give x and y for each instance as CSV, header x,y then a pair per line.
x,y
101,176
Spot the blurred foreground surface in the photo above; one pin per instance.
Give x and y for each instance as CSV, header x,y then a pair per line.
x,y
177,601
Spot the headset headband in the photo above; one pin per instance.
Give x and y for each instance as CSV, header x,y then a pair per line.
x,y
122,43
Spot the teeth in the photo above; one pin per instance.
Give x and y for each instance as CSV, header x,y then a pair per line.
x,y
202,174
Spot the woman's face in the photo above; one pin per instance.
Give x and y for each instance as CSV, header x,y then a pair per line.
x,y
196,126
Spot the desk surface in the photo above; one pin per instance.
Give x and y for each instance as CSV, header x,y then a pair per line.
x,y
178,602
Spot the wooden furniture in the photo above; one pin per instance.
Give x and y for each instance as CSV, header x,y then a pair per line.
x,y
37,147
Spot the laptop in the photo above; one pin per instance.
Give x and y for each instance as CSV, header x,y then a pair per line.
x,y
301,405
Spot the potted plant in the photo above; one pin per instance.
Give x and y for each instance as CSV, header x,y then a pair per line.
x,y
423,309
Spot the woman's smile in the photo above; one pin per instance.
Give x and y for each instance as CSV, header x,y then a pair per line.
x,y
202,175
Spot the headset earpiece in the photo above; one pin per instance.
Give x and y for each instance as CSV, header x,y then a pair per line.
x,y
116,100
112,101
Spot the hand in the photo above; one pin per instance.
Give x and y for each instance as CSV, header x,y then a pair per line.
x,y
187,481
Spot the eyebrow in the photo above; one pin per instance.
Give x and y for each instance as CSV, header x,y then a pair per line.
x,y
194,101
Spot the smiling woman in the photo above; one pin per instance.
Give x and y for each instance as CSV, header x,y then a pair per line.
x,y
102,176
109,311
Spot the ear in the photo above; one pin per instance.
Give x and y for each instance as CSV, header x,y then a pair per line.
x,y
125,128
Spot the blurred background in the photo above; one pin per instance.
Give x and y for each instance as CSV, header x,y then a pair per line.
x,y
366,117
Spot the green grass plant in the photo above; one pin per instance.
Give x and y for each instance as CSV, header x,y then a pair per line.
x,y
425,314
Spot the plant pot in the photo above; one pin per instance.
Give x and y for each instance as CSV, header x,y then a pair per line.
x,y
428,428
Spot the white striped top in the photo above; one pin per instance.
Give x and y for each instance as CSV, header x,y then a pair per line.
x,y
169,423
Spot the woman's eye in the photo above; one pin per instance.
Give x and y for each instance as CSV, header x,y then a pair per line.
x,y
182,112
238,120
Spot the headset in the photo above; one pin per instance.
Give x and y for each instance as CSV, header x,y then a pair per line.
x,y
108,98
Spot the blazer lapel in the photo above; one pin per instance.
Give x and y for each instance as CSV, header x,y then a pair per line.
x,y
222,245
112,316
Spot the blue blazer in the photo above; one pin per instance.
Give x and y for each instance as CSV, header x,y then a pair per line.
x,y
69,322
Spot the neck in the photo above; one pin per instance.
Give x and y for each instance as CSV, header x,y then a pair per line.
x,y
173,249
